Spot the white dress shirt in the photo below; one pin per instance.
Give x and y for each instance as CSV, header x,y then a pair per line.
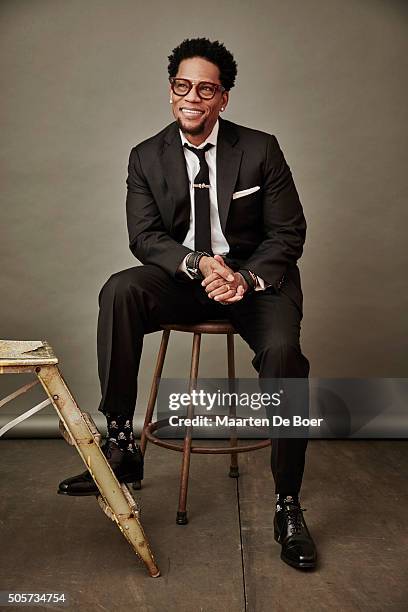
x,y
219,243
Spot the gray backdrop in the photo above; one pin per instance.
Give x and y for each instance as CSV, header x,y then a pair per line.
x,y
82,82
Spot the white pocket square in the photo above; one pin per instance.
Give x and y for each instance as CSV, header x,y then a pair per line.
x,y
244,192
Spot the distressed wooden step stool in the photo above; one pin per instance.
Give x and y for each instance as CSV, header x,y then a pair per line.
x,y
37,357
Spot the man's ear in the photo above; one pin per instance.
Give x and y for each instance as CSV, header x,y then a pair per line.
x,y
224,98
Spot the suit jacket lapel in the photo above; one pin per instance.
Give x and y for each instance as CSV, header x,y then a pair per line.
x,y
228,163
175,174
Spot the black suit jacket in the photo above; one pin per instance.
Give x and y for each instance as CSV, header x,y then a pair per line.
x,y
265,230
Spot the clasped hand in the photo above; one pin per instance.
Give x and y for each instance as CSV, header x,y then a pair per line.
x,y
220,282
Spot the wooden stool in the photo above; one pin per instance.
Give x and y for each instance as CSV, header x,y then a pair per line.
x,y
187,447
37,357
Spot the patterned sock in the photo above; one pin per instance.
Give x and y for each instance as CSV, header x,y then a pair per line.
x,y
289,498
120,431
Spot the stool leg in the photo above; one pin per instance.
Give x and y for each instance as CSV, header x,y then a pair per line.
x,y
185,466
90,452
234,471
154,388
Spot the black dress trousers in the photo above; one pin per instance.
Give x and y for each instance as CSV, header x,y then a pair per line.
x,y
135,301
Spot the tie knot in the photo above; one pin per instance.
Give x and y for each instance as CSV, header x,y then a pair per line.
x,y
199,152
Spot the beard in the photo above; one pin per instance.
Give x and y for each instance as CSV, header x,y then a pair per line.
x,y
193,131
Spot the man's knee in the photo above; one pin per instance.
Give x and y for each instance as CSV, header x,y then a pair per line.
x,y
126,282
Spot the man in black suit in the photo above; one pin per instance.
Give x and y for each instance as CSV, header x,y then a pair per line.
x,y
214,216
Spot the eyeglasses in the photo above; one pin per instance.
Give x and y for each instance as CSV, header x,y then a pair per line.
x,y
205,90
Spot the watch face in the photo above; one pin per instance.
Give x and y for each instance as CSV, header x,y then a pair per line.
x,y
195,272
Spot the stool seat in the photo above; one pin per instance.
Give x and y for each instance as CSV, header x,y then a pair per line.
x,y
211,326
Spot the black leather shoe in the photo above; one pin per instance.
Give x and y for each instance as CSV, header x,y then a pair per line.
x,y
127,467
298,548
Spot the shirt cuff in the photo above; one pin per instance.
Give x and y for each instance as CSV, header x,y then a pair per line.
x,y
261,286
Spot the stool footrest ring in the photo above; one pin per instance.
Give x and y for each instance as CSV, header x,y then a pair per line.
x,y
205,450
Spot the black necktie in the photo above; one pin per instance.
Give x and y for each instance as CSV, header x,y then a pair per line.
x,y
202,224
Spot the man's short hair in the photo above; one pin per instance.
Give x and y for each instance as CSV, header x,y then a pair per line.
x,y
214,52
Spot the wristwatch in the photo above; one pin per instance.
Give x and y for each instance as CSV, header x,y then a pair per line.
x,y
192,263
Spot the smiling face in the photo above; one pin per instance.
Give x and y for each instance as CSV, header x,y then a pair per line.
x,y
196,117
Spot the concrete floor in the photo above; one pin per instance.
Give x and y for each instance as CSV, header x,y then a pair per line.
x,y
225,559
